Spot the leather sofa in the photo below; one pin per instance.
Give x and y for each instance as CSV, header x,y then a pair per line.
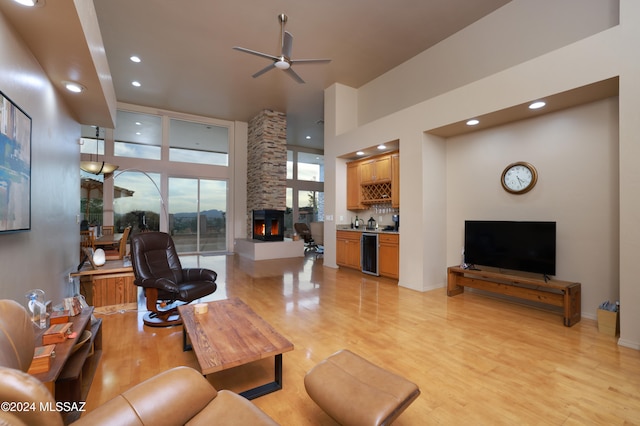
x,y
175,397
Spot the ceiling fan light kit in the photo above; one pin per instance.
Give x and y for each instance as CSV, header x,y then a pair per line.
x,y
284,61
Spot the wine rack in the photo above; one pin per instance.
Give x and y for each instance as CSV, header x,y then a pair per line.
x,y
376,193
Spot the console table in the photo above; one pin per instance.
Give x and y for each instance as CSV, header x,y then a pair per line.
x,y
563,294
110,285
71,373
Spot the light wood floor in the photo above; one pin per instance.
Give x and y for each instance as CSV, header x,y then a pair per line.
x,y
476,359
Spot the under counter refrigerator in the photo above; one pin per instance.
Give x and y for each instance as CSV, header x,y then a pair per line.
x,y
369,253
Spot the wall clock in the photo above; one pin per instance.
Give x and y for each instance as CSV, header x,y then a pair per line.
x,y
518,178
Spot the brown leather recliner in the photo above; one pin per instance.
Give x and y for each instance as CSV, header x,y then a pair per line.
x,y
158,271
175,397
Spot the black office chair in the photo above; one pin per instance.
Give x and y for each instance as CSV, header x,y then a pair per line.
x,y
158,271
302,229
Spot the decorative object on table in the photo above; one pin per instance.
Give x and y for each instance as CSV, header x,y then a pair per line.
x,y
36,307
90,255
57,333
84,338
200,308
519,177
73,305
99,258
609,318
42,359
59,317
15,174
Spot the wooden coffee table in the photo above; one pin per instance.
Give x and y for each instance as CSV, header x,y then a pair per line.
x,y
230,334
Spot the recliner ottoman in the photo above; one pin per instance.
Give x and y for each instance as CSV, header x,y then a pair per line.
x,y
353,391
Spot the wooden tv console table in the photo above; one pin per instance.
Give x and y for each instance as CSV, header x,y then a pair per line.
x,y
563,294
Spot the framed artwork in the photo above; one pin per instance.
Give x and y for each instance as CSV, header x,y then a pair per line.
x,y
15,167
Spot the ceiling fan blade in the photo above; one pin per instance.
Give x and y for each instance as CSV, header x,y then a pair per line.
x,y
263,70
287,44
293,75
310,61
253,52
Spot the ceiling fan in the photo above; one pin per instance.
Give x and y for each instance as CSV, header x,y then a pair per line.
x,y
284,61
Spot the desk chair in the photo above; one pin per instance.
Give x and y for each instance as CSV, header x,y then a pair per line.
x,y
302,229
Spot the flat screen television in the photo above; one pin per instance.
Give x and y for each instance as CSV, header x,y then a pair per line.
x,y
520,246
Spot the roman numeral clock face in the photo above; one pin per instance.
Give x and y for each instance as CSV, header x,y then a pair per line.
x,y
518,178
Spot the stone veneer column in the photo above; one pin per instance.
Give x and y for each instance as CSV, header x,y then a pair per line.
x,y
266,163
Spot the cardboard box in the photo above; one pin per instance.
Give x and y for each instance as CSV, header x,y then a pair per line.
x,y
59,317
41,362
57,333
608,322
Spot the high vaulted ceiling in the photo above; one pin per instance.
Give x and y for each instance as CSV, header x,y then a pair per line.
x,y
189,65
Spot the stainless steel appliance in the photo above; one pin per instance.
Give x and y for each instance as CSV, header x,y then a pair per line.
x,y
369,253
396,221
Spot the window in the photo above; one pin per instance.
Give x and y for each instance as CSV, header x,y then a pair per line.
x,y
289,164
310,167
138,135
308,206
137,201
150,147
305,187
91,198
91,143
198,143
288,214
197,220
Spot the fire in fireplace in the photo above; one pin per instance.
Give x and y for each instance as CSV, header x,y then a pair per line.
x,y
268,225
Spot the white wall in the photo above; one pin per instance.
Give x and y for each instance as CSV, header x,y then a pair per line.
x,y
594,58
513,34
42,257
575,152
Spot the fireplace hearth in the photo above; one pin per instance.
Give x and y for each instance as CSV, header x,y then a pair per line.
x,y
268,225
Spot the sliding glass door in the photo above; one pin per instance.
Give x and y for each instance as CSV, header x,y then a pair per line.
x,y
197,215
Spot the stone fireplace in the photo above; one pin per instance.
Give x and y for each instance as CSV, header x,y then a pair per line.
x,y
266,167
268,225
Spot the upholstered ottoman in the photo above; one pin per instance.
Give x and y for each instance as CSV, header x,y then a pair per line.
x,y
354,391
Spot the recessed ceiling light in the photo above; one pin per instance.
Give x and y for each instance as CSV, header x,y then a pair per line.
x,y
308,137
30,3
135,59
359,153
473,122
537,105
138,123
382,146
73,87
136,83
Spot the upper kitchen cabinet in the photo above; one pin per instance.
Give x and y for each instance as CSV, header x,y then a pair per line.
x,y
374,180
395,180
353,187
376,170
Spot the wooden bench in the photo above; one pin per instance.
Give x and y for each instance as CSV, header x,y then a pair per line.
x,y
563,294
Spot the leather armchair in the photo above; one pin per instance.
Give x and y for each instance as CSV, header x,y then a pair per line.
x,y
175,397
158,271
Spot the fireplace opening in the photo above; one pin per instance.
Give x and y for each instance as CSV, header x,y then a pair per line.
x,y
268,225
